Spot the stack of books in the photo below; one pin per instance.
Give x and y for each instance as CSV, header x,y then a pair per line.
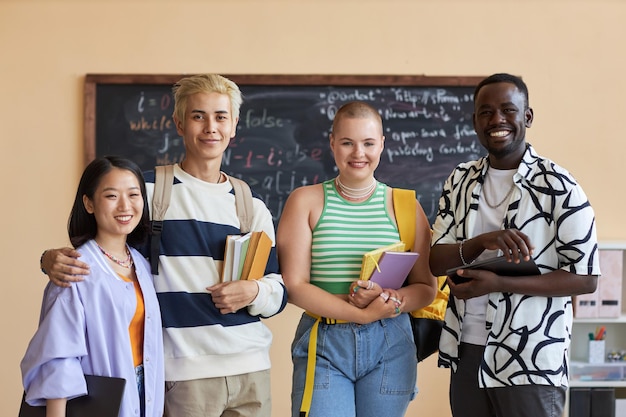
x,y
388,266
245,256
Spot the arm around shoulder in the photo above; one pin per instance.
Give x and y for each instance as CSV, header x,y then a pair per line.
x,y
62,266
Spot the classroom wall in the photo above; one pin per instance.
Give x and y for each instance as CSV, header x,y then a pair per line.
x,y
570,52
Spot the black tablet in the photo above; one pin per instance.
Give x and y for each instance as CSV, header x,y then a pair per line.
x,y
104,400
499,265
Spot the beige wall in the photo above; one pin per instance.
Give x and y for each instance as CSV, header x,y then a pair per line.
x,y
571,53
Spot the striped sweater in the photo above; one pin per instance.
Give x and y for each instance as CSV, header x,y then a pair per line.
x,y
199,341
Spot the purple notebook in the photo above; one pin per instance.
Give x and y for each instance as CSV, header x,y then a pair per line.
x,y
393,268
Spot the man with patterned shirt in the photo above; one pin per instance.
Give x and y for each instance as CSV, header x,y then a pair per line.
x,y
506,339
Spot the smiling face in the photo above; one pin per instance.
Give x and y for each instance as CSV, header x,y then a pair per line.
x,y
357,143
501,117
207,127
117,204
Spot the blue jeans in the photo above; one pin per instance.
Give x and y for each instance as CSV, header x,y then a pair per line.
x,y
141,389
362,370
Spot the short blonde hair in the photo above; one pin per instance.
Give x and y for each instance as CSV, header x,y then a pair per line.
x,y
205,83
356,110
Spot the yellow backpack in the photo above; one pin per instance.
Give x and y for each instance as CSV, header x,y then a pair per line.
x,y
427,321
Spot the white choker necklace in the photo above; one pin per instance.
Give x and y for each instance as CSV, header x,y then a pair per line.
x,y
355,193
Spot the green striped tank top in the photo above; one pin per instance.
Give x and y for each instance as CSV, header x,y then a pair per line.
x,y
346,231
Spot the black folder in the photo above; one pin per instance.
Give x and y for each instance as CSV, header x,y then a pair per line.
x,y
104,399
500,266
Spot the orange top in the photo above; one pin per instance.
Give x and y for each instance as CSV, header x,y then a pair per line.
x,y
136,327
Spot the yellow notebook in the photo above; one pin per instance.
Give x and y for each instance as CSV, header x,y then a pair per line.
x,y
371,258
257,256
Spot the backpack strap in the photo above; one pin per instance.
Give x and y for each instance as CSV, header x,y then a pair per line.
x,y
404,206
243,203
163,180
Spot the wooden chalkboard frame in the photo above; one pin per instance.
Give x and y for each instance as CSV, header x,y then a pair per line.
x,y
92,80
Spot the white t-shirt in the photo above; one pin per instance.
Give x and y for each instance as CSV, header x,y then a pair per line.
x,y
491,211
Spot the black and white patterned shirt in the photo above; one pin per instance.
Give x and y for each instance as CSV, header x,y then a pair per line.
x,y
529,336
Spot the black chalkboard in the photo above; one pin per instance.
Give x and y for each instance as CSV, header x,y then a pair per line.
x,y
282,136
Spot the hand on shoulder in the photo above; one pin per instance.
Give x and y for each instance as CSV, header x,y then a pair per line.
x,y
63,267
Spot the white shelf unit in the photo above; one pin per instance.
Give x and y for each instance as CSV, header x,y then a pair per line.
x,y
608,374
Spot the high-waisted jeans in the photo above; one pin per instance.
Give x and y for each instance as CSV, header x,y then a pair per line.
x,y
362,370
